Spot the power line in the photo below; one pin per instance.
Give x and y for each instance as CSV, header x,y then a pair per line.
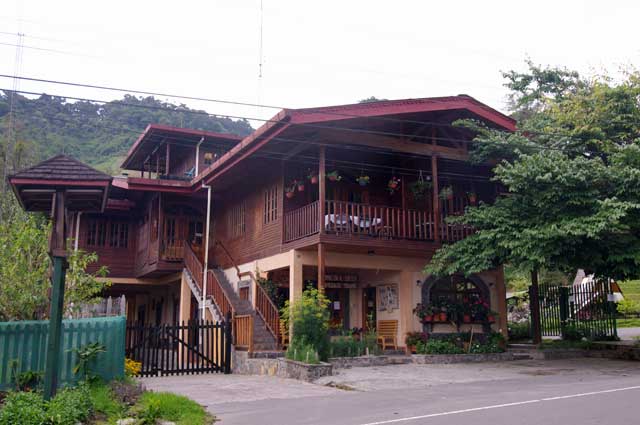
x,y
315,126
257,105
310,160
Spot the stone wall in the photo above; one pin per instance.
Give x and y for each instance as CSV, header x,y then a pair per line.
x,y
243,364
461,358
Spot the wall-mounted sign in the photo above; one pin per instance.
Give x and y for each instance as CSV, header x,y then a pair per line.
x,y
341,278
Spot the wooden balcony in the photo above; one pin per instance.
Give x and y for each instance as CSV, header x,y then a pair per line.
x,y
349,219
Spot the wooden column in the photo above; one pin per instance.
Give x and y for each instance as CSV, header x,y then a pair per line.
x,y
321,189
321,268
166,165
58,253
436,199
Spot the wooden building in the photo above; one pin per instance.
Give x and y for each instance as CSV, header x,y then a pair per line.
x,y
350,198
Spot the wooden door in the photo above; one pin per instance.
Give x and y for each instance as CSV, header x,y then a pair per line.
x,y
368,308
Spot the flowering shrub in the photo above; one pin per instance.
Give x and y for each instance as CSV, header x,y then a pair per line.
x,y
132,367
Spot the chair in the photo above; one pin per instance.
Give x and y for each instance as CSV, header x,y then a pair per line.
x,y
190,173
388,334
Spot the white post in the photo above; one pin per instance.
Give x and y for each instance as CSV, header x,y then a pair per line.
x,y
198,156
77,237
206,251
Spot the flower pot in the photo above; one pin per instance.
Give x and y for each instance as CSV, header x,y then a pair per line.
x,y
428,318
466,318
393,185
472,199
443,317
491,319
411,349
289,195
333,178
300,188
314,180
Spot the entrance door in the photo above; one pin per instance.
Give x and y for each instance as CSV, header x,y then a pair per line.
x,y
369,308
339,308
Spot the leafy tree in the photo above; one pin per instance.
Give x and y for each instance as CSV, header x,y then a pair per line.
x,y
25,267
571,177
309,317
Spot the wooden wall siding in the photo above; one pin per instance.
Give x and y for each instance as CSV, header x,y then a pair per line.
x,y
119,260
259,238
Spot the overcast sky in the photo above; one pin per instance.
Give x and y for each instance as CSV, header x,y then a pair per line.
x,y
314,53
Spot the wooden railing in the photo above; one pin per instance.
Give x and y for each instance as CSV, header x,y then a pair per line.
x,y
226,252
243,332
267,310
301,222
193,264
372,221
173,250
219,296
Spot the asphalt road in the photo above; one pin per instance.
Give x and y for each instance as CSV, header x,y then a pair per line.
x,y
525,393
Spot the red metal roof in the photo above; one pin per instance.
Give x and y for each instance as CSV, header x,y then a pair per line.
x,y
288,117
144,143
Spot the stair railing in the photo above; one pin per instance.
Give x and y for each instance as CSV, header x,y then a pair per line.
x,y
219,296
193,264
261,302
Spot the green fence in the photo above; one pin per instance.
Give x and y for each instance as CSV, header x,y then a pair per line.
x,y
26,342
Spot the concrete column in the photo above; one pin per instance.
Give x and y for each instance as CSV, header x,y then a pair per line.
x,y
295,281
405,300
185,300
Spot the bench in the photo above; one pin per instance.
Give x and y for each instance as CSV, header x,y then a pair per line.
x,y
387,331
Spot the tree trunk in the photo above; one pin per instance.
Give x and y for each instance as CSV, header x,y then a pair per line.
x,y
534,304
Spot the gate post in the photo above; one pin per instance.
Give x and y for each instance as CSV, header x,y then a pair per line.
x,y
227,343
564,309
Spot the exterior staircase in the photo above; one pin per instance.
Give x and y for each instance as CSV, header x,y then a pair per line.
x,y
263,340
222,299
525,351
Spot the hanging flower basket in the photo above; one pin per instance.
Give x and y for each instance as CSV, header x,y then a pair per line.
x,y
290,191
419,189
313,178
300,185
446,193
363,180
393,184
334,176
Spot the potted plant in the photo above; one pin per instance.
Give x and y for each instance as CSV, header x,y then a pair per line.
x,y
363,180
424,312
290,191
313,177
412,339
300,185
473,198
446,193
419,189
334,176
393,184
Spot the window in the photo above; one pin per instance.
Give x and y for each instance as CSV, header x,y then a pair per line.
x,y
270,205
236,221
119,235
103,232
456,289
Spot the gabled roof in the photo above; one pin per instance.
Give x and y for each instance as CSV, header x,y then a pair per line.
x,y
86,188
61,167
402,106
155,134
393,108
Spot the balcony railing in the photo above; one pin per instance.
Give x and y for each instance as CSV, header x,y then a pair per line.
x,y
349,218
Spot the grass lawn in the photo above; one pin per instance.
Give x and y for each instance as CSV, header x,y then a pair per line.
x,y
631,289
149,405
628,323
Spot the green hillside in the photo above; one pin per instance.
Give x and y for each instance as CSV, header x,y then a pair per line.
x,y
98,134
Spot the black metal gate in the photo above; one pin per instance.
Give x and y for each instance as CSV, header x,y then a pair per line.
x,y
584,310
194,347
